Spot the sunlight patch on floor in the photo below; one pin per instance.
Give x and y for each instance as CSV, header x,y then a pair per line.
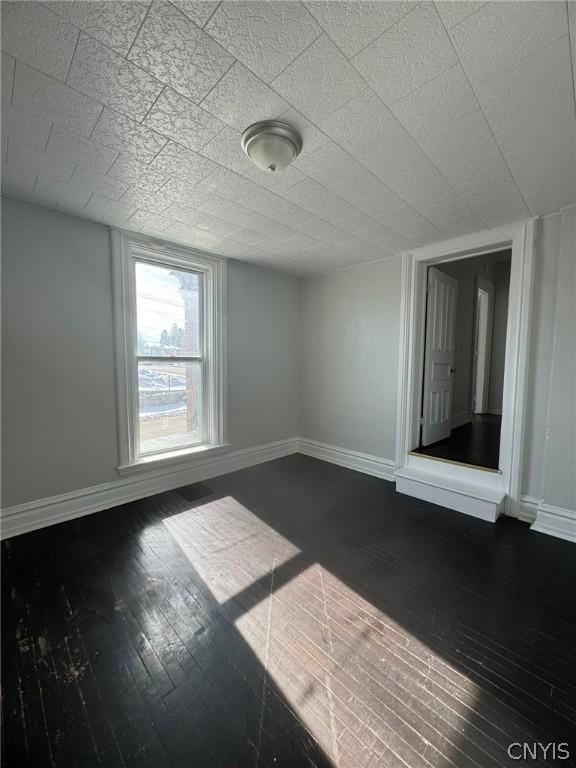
x,y
367,690
229,546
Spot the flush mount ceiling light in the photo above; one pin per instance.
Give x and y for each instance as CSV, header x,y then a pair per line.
x,y
271,145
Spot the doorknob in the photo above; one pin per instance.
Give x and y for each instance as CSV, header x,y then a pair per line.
x,y
452,370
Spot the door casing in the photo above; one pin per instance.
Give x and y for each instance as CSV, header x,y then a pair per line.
x,y
518,237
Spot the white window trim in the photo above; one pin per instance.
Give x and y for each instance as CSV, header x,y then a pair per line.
x,y
126,246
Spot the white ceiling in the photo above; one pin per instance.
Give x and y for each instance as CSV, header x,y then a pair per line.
x,y
421,121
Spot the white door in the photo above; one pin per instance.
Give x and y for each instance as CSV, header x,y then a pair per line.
x,y
439,356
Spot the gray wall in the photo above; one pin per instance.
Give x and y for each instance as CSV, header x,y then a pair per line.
x,y
350,334
350,327
59,428
550,447
332,338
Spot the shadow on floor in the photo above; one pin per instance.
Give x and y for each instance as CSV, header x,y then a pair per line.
x,y
294,613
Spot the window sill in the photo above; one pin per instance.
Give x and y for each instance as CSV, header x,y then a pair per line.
x,y
173,458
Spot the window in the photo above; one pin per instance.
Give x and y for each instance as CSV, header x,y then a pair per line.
x,y
169,311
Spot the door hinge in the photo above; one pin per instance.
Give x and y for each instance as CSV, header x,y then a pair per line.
x,y
421,421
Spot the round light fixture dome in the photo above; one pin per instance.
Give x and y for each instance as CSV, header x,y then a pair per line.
x,y
271,145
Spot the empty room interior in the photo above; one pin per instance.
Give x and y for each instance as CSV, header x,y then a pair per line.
x,y
288,384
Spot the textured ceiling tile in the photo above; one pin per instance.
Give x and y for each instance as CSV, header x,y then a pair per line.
x,y
35,35
407,222
135,173
546,180
38,162
355,222
80,150
279,183
176,160
444,212
332,167
113,23
530,109
199,11
500,34
352,25
156,203
337,236
312,137
276,207
149,221
7,78
437,107
190,212
532,101
315,227
247,236
178,53
455,11
38,93
216,225
241,98
302,241
124,135
24,127
104,206
330,80
99,72
319,201
495,206
178,118
97,183
115,219
198,238
371,133
226,183
380,235
445,119
265,36
183,190
63,194
410,53
225,150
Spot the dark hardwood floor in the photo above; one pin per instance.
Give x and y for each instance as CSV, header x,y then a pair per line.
x,y
476,443
291,614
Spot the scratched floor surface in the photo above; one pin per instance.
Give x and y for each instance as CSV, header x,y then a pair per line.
x,y
292,614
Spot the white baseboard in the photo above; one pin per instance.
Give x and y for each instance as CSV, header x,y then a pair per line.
x,y
460,495
526,509
344,457
556,521
459,419
32,515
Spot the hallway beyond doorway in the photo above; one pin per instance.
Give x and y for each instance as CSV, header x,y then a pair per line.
x,y
476,443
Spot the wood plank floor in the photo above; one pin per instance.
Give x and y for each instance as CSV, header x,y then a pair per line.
x,y
476,443
292,614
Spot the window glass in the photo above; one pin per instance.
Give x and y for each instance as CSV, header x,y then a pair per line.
x,y
168,311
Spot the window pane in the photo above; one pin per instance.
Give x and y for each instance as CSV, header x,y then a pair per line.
x,y
170,397
168,310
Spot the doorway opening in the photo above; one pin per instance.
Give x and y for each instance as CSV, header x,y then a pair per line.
x,y
466,317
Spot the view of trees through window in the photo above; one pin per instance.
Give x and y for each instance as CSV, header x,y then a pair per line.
x,y
168,312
